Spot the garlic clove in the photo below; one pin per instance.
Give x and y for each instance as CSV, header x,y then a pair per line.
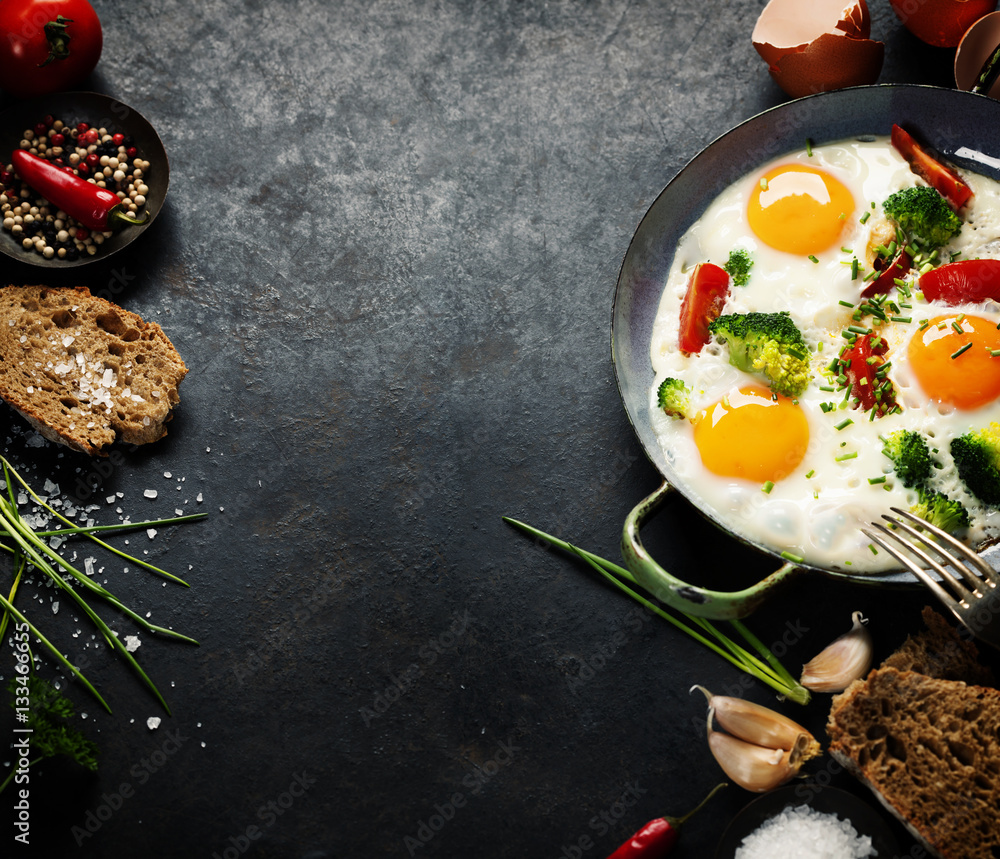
x,y
841,663
758,725
754,768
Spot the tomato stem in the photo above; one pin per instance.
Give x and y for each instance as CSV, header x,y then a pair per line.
x,y
58,39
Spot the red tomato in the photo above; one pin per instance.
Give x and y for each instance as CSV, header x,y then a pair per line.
x,y
943,179
965,281
941,23
706,294
860,363
887,279
47,45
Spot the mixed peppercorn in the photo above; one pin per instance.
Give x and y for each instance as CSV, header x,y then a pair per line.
x,y
98,157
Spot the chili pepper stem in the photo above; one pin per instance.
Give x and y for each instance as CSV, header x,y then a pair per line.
x,y
117,216
678,821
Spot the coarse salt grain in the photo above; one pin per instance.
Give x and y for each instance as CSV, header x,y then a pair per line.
x,y
150,493
801,832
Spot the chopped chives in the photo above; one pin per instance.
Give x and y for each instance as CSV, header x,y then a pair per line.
x,y
763,184
957,327
813,258
847,250
958,352
865,217
809,147
810,473
906,319
854,269
857,329
995,353
831,388
843,303
795,559
846,456
826,407
844,424
767,487
876,480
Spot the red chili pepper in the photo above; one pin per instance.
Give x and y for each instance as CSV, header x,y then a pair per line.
x,y
94,207
657,837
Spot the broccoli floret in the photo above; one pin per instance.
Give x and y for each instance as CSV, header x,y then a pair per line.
x,y
911,458
674,397
977,458
938,509
923,213
738,267
767,343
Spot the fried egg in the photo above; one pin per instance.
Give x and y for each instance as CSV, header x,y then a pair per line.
x,y
800,476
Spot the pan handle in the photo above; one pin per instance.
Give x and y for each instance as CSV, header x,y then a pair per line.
x,y
718,605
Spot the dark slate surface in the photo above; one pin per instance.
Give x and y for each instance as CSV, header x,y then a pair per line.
x,y
388,258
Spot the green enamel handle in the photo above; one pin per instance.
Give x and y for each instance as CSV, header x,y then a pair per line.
x,y
668,589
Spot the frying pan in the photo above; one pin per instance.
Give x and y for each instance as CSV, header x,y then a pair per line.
x,y
964,128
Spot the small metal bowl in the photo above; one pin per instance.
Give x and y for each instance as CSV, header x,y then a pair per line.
x,y
97,110
825,799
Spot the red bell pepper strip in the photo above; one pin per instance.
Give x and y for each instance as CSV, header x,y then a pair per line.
x,y
966,281
657,838
94,207
887,277
943,179
706,295
860,363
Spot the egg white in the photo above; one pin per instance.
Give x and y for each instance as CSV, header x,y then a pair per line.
x,y
817,518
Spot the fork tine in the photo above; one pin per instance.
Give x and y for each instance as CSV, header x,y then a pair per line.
x,y
922,574
970,557
950,574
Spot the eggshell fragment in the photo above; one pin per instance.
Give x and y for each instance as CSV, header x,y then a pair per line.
x,y
941,23
977,45
818,45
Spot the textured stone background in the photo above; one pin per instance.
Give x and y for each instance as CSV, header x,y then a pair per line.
x,y
388,257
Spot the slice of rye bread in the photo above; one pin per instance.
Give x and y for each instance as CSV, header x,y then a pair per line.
x,y
930,750
941,650
82,370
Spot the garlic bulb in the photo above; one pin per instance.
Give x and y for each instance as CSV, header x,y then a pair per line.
x,y
845,660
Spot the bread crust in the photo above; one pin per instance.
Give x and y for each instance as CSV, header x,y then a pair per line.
x,y
83,371
926,742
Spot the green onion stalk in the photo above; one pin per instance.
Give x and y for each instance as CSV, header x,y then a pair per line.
x,y
30,548
756,659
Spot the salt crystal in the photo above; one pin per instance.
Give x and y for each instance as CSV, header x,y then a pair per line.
x,y
805,833
153,722
132,643
150,532
149,493
55,607
166,474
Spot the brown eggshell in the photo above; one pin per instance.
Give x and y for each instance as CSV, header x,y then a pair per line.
x,y
975,48
817,45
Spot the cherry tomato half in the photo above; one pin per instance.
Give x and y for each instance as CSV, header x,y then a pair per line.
x,y
943,179
861,362
47,45
706,294
962,282
887,278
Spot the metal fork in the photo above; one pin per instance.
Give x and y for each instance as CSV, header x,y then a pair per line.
x,y
974,585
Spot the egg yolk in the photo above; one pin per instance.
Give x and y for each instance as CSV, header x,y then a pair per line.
x,y
799,209
957,368
752,434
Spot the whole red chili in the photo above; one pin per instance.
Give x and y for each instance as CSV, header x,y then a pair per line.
x,y
657,837
94,207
